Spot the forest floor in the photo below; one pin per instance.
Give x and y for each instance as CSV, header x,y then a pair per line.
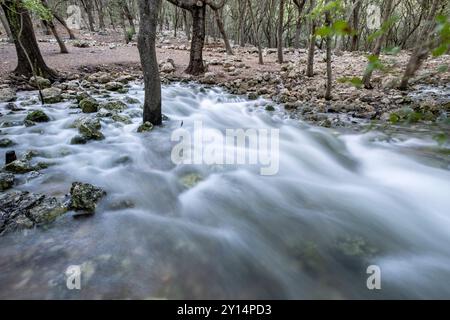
x,y
428,99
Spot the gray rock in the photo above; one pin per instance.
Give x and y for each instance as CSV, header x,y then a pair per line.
x,y
37,116
89,105
84,197
5,142
6,181
25,210
7,95
40,82
89,128
52,95
114,106
113,86
121,118
145,127
19,166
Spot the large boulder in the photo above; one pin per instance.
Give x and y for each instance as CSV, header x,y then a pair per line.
x,y
52,95
84,197
89,105
7,95
24,210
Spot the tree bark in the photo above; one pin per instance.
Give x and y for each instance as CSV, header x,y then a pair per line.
x,y
421,51
280,32
29,58
51,26
355,20
6,26
196,65
101,15
300,4
148,11
311,50
88,7
222,32
128,15
255,32
379,43
329,69
64,24
187,26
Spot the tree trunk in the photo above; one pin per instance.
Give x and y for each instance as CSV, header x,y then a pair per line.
x,y
51,26
101,16
377,49
196,65
128,15
6,26
311,50
148,11
222,32
255,32
420,53
88,7
242,23
280,32
113,25
64,24
29,57
329,69
187,26
355,20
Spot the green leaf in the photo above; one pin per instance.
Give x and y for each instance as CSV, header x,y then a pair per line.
x,y
440,138
443,68
324,32
439,51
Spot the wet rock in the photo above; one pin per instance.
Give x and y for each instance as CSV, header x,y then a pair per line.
x,y
145,127
78,139
113,86
89,105
19,166
89,128
191,180
252,95
81,44
5,142
25,210
37,116
121,118
131,100
52,95
209,78
7,95
84,197
13,107
114,106
40,82
6,181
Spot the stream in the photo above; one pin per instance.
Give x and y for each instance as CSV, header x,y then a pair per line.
x,y
339,203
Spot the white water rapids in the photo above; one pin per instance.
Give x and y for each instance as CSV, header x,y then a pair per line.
x,y
339,203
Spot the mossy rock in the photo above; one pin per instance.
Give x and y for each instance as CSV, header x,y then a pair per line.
x,y
37,116
115,106
89,105
5,142
145,127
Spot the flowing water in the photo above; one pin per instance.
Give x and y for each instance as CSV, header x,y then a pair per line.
x,y
339,203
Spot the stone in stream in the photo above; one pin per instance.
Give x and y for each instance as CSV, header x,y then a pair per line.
x,y
145,127
6,181
89,128
24,210
52,95
89,105
37,116
113,86
7,95
84,197
19,166
78,139
114,106
5,142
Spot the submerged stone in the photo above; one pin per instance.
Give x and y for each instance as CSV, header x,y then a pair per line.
x,y
191,180
24,210
7,95
78,139
19,166
84,197
5,142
